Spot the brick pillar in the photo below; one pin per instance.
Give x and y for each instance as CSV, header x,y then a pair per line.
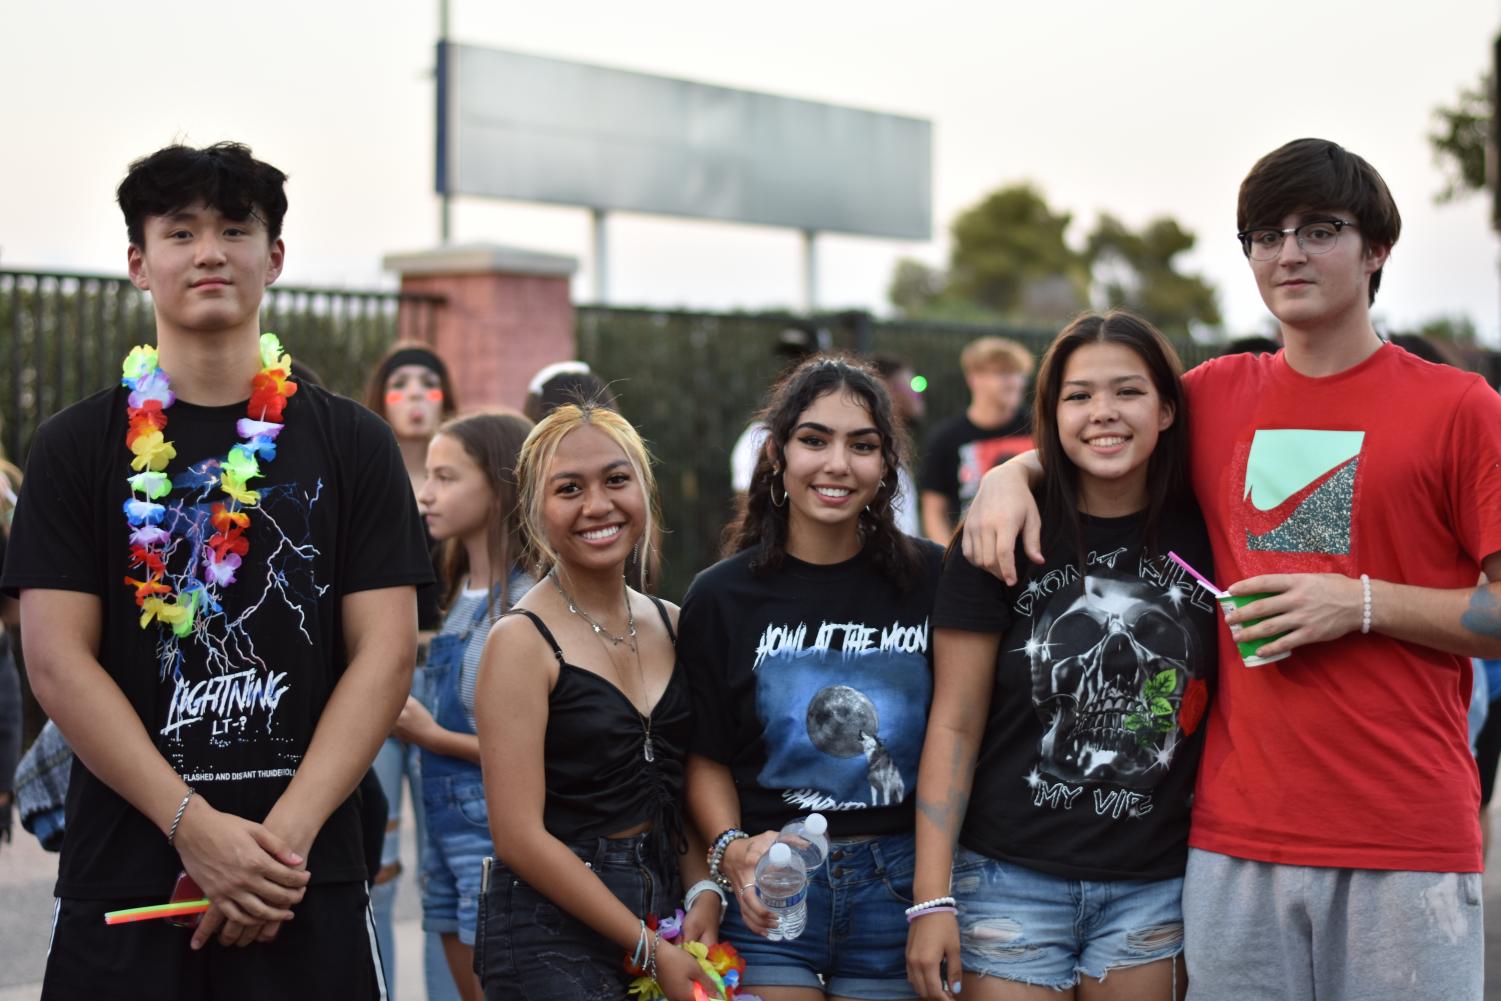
x,y
508,313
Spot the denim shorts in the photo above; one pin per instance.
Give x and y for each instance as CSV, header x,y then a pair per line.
x,y
856,936
530,949
1023,925
457,843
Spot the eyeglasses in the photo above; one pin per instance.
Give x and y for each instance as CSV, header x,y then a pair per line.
x,y
1313,238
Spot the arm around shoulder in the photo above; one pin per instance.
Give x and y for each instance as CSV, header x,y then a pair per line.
x,y
1004,510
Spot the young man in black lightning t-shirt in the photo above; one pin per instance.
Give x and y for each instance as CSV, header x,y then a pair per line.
x,y
216,568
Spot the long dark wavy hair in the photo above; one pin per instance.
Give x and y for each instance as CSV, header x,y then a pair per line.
x,y
761,525
1167,469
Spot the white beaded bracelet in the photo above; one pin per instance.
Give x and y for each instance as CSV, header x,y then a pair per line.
x,y
930,904
1365,607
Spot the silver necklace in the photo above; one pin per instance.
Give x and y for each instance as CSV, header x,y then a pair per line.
x,y
648,751
599,630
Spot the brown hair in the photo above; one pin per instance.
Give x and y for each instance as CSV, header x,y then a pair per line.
x,y
1312,174
493,440
1167,469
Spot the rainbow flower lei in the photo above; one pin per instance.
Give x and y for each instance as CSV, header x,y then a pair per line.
x,y
720,962
150,397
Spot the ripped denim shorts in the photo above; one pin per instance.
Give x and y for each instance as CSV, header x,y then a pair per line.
x,y
1034,928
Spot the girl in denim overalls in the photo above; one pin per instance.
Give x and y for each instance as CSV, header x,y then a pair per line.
x,y
469,501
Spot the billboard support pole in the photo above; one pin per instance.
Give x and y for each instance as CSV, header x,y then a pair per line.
x,y
445,209
601,256
810,271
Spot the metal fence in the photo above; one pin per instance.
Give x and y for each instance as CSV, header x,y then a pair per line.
x,y
63,335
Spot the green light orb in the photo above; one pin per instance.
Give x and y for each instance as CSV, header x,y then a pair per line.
x,y
919,383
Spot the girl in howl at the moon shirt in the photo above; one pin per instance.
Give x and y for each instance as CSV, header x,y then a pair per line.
x,y
809,659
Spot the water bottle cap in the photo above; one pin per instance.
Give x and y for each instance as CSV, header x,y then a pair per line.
x,y
780,854
816,823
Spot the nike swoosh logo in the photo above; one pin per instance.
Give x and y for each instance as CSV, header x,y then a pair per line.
x,y
1258,522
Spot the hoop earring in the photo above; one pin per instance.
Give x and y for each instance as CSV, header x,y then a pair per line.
x,y
771,488
884,506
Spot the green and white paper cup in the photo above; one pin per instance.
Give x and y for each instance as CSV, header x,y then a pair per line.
x,y
1250,650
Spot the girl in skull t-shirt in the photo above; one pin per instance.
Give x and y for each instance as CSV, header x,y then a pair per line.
x,y
1069,796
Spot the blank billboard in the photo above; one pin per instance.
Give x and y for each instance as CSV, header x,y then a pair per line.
x,y
537,129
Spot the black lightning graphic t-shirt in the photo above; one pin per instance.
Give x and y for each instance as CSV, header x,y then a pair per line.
x,y
1102,681
812,683
232,705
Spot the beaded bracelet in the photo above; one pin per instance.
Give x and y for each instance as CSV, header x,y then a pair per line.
x,y
716,854
1365,604
941,909
927,905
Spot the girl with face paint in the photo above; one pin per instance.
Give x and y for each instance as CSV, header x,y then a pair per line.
x,y
411,390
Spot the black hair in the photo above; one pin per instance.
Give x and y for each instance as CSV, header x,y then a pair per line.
x,y
1253,344
887,365
569,387
1429,350
1167,469
224,176
1311,174
762,525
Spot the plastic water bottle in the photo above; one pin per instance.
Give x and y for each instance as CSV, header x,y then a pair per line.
x,y
808,836
782,885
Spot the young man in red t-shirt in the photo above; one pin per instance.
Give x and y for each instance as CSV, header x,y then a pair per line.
x,y
1334,850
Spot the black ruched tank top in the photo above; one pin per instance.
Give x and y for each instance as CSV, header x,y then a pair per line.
x,y
598,778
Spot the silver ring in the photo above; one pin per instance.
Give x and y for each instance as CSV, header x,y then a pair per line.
x,y
747,886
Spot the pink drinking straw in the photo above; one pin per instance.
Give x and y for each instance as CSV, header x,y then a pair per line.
x,y
1205,581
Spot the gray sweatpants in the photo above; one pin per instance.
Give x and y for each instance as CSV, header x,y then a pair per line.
x,y
1258,930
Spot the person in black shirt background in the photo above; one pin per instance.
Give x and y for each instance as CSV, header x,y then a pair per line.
x,y
992,429
1065,732
807,650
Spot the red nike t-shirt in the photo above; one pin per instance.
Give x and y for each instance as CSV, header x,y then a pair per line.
x,y
1352,753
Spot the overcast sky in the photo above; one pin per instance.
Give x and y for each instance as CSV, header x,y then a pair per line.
x,y
1137,108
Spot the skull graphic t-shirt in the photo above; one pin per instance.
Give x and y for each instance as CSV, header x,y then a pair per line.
x,y
1102,682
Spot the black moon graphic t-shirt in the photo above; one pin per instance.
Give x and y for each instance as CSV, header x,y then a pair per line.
x,y
812,683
